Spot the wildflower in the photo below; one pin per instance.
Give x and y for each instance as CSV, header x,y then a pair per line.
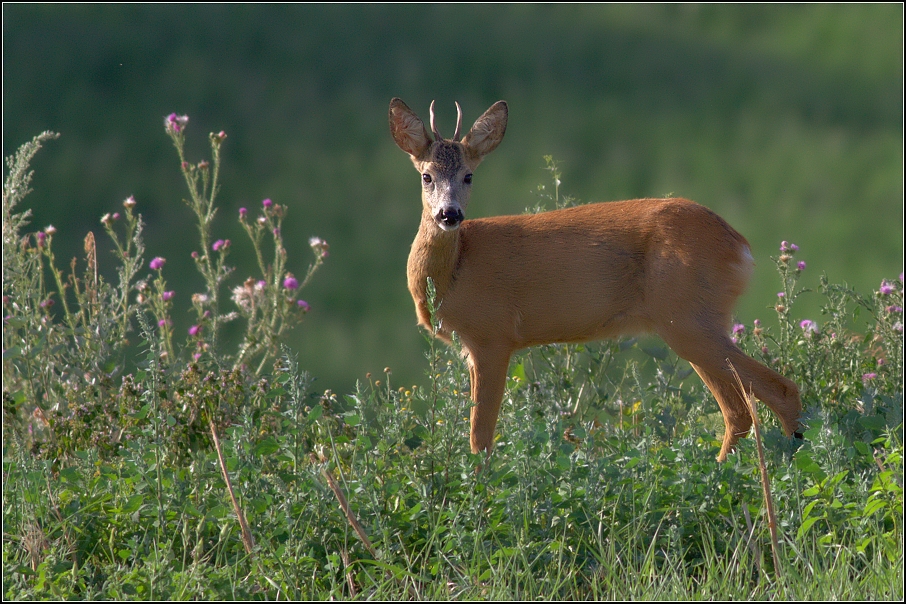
x,y
106,219
47,303
886,288
242,213
203,165
290,282
157,263
164,323
276,232
808,326
115,216
199,299
869,376
319,246
739,328
262,220
267,203
41,238
217,245
896,309
800,266
50,230
898,327
781,295
196,356
176,123
167,295
130,202
195,255
786,246
303,305
194,330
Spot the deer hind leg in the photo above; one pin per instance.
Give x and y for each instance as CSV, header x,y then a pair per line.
x,y
709,358
737,419
487,371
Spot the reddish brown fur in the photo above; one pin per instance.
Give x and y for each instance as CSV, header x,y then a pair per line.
x,y
665,266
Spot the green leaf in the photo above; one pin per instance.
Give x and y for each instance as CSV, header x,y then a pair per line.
x,y
267,446
315,413
658,352
12,353
872,422
804,528
862,448
874,506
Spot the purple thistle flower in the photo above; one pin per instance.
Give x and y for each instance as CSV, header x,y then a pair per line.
x,y
242,213
303,305
193,331
780,294
267,203
176,123
794,247
739,328
163,323
217,245
869,376
167,295
808,326
886,288
157,263
897,309
290,282
784,246
47,303
800,265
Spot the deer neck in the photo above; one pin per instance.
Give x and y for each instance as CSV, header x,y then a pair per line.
x,y
434,254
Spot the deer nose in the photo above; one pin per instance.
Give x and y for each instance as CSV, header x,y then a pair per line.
x,y
449,218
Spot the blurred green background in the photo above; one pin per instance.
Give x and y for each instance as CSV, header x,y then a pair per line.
x,y
787,120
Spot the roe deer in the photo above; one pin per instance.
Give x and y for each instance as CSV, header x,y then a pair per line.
x,y
667,266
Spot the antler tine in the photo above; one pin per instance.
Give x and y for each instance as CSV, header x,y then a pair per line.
x,y
434,131
458,121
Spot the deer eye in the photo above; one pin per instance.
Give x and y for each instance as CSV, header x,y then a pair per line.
x,y
467,179
426,178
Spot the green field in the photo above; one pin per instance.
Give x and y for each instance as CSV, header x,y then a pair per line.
x,y
164,439
787,120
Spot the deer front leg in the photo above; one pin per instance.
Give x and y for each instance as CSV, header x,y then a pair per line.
x,y
487,370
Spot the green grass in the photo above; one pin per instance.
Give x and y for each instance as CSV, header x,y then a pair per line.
x,y
603,483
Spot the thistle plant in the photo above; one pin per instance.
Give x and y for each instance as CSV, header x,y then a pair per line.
x,y
70,337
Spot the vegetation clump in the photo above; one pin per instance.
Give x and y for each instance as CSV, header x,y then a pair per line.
x,y
141,464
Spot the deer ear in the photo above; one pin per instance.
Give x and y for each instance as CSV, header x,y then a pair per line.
x,y
488,131
407,129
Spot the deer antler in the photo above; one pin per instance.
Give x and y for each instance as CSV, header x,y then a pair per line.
x,y
458,122
434,131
